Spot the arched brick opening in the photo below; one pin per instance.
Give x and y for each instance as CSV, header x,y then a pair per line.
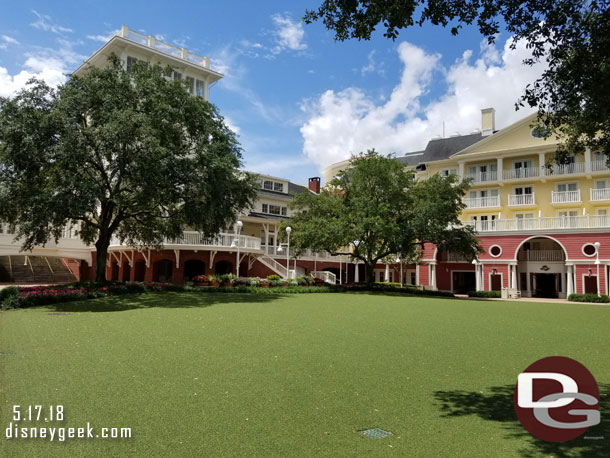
x,y
139,270
126,271
223,267
192,268
162,271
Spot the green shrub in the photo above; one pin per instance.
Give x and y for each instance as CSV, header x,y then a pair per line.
x,y
255,282
484,294
273,277
226,278
8,292
11,302
589,297
242,281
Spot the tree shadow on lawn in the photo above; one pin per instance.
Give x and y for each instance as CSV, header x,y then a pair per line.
x,y
497,405
161,299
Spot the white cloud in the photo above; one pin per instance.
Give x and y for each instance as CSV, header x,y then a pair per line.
x,y
9,40
350,121
289,34
103,38
50,65
45,22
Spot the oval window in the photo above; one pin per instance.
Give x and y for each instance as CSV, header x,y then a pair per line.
x,y
588,249
495,251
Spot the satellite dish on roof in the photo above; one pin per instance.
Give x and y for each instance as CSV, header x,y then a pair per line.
x,y
455,134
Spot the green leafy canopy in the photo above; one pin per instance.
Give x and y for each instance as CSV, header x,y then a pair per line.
x,y
376,209
131,155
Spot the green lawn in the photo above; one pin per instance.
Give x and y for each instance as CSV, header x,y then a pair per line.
x,y
228,375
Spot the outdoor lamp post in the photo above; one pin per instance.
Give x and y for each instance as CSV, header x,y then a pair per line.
x,y
288,231
597,245
400,262
237,228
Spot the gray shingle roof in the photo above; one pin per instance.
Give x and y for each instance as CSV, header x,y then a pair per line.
x,y
439,149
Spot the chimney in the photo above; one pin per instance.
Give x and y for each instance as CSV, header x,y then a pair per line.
x,y
314,184
488,121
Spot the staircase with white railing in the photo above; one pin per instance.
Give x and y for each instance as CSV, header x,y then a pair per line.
x,y
273,265
327,277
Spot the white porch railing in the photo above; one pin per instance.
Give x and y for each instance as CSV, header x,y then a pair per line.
x,y
564,169
328,277
225,240
599,166
563,197
520,200
542,224
479,177
523,172
482,202
598,195
541,255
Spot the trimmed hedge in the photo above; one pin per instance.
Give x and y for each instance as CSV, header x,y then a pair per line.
x,y
589,297
497,294
12,297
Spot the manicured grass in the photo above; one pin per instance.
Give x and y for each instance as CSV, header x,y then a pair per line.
x,y
229,375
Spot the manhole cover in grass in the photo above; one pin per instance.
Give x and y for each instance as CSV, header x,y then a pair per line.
x,y
375,433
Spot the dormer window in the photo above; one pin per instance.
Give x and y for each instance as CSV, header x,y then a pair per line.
x,y
279,187
268,185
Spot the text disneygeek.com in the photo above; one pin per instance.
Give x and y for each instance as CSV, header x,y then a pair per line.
x,y
22,427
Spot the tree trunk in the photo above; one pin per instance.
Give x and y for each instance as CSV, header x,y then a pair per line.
x,y
101,247
369,276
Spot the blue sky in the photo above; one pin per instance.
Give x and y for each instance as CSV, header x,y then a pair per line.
x,y
298,100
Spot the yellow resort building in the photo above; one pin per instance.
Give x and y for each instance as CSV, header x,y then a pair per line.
x,y
544,227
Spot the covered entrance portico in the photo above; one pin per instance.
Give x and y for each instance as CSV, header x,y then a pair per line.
x,y
542,268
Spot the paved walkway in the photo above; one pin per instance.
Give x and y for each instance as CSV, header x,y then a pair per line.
x,y
531,299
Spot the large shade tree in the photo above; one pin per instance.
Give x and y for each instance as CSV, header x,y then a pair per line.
x,y
375,209
127,155
572,36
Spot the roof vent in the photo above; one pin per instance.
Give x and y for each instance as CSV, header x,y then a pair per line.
x,y
455,134
475,131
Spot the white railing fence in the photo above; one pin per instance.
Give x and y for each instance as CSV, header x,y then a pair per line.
x,y
521,200
541,255
327,277
562,197
483,176
523,172
543,223
152,42
600,194
482,202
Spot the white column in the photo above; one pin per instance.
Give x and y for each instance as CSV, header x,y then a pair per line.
x,y
386,277
356,273
477,277
500,168
417,267
514,277
570,286
433,276
541,162
461,170
587,160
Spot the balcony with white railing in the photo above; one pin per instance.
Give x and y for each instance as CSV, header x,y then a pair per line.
x,y
600,195
521,173
560,223
599,166
482,202
541,255
521,200
564,169
565,197
194,239
483,177
158,45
